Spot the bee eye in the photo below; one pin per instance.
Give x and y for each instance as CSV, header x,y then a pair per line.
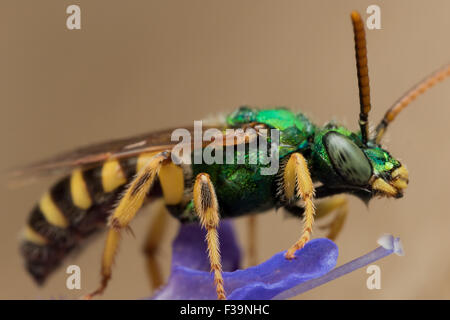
x,y
347,158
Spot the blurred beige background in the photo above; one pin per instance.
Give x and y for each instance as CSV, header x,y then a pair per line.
x,y
136,66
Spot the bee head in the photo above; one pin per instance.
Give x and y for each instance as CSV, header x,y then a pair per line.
x,y
343,160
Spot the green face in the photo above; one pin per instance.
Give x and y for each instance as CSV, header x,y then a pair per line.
x,y
382,162
341,159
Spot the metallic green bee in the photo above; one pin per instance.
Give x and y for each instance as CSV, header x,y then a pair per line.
x,y
315,162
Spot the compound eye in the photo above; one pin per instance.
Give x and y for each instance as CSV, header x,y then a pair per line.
x,y
347,158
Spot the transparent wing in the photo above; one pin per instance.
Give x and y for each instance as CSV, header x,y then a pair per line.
x,y
93,155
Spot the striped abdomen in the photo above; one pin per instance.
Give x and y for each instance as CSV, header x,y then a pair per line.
x,y
77,206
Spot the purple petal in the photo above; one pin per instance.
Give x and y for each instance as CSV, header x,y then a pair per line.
x,y
260,282
276,278
189,248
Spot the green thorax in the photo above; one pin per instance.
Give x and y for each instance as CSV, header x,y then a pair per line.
x,y
295,129
241,188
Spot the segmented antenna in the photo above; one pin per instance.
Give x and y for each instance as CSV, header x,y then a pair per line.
x,y
363,73
408,97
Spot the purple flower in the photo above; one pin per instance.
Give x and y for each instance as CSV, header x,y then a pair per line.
x,y
275,278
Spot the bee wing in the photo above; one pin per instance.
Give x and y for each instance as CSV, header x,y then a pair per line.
x,y
93,155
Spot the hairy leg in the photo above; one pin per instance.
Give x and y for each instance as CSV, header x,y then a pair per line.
x,y
297,184
207,209
131,201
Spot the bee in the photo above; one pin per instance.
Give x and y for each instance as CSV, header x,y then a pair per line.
x,y
106,184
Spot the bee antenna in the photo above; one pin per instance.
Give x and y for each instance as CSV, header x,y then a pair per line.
x,y
408,97
363,73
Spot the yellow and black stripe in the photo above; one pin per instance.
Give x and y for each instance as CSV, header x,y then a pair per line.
x,y
80,204
73,208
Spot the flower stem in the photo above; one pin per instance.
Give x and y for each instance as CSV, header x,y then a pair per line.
x,y
377,254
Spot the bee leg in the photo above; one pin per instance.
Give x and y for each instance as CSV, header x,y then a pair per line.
x,y
252,254
338,204
131,201
155,233
297,184
207,209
